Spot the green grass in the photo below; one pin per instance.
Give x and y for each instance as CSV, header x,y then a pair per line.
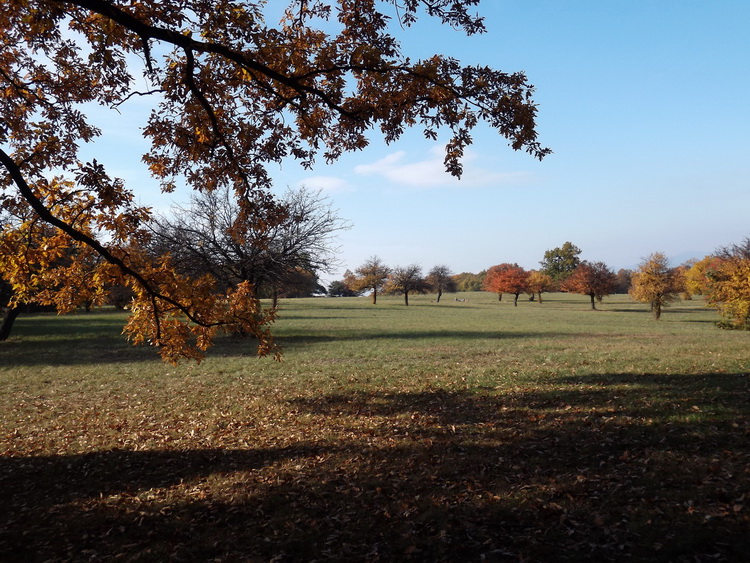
x,y
452,431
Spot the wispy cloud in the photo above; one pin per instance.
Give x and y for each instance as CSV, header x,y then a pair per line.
x,y
430,172
331,184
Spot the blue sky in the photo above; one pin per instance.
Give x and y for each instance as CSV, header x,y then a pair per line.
x,y
644,103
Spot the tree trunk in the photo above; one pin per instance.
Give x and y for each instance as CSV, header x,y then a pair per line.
x,y
275,298
593,304
540,297
515,301
374,296
7,326
440,294
499,296
406,298
656,308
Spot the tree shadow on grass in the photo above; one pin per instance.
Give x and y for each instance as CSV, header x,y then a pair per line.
x,y
598,471
109,346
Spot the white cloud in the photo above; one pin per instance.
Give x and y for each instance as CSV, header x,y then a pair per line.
x,y
430,172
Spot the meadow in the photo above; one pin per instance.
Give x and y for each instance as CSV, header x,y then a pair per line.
x,y
451,431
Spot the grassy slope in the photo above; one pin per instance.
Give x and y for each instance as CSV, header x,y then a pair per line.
x,y
438,431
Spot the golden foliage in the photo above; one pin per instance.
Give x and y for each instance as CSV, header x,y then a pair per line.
x,y
656,283
229,95
372,276
729,285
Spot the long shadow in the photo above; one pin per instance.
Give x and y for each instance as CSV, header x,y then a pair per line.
x,y
105,348
308,338
423,476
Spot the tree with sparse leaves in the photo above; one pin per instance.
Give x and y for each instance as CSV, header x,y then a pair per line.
x,y
405,280
594,279
230,95
370,276
656,283
441,280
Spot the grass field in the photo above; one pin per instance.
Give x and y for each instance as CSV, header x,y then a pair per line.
x,y
458,431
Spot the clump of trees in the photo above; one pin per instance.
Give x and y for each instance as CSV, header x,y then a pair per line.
x,y
466,281
375,276
622,285
338,288
229,95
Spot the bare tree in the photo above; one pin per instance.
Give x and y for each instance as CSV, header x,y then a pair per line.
x,y
440,279
271,252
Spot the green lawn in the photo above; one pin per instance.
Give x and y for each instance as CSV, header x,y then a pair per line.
x,y
454,431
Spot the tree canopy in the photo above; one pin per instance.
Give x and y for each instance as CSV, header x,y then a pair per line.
x,y
594,279
229,95
439,279
405,280
370,276
561,262
538,283
656,283
506,278
274,257
729,285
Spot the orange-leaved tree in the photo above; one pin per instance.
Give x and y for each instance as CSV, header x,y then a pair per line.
x,y
229,95
506,278
594,279
656,283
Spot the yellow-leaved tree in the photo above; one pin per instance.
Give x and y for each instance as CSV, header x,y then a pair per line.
x,y
230,94
370,276
728,286
656,283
